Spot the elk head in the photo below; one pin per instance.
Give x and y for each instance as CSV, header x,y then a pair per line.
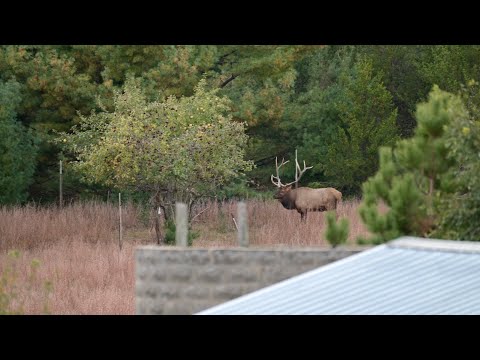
x,y
282,191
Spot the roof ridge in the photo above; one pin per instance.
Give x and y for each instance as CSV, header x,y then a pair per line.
x,y
410,242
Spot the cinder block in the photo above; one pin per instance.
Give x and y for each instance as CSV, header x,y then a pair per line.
x,y
228,257
261,257
210,274
159,274
241,274
196,291
228,291
180,273
197,257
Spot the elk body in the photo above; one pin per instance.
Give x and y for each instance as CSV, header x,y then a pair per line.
x,y
304,199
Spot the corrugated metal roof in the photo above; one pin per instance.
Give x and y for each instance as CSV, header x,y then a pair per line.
x,y
403,277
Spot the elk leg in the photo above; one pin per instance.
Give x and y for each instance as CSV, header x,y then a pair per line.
x,y
303,216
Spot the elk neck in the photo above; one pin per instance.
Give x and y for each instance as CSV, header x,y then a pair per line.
x,y
287,198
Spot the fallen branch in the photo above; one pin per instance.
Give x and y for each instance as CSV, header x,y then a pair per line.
x,y
233,218
200,213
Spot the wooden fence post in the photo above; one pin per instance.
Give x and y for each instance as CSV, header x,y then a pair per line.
x,y
120,220
61,186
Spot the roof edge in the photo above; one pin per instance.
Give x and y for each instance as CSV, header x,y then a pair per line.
x,y
409,242
246,297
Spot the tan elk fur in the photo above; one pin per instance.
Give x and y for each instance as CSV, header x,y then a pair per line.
x,y
304,199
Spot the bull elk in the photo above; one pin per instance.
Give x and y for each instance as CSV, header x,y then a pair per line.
x,y
304,199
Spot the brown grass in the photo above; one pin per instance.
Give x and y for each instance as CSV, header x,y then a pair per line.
x,y
86,279
78,251
31,227
270,224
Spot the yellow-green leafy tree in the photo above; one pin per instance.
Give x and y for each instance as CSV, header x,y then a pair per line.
x,y
179,149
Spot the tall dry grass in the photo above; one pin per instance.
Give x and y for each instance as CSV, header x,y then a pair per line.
x,y
86,279
271,224
78,252
33,226
77,248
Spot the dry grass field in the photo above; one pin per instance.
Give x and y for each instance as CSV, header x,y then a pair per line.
x,y
76,249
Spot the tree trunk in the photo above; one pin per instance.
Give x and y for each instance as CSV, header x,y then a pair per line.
x,y
158,232
157,207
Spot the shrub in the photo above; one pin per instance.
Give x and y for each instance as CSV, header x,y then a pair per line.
x,y
170,231
337,231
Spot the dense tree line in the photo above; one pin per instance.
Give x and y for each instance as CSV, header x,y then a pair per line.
x,y
336,104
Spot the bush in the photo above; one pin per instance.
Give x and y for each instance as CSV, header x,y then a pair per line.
x,y
170,231
337,232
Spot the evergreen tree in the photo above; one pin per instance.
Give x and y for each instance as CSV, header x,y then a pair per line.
x,y
413,174
311,116
17,148
260,80
336,232
403,78
367,118
459,204
449,66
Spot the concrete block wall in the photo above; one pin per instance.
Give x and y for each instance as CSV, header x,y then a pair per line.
x,y
173,280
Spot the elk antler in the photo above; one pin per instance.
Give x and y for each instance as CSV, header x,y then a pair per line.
x,y
278,183
298,172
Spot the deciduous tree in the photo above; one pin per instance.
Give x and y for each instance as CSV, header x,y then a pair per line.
x,y
180,149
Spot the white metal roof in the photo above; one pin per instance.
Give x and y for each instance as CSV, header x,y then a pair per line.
x,y
404,276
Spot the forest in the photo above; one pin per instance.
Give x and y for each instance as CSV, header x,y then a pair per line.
x,y
336,105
